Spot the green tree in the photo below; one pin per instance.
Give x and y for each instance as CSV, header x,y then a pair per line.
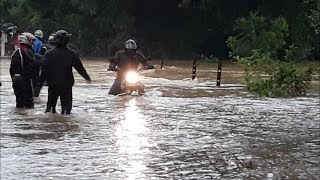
x,y
303,24
265,73
95,24
257,33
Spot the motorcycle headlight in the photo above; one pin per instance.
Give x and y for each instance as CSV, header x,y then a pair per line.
x,y
132,77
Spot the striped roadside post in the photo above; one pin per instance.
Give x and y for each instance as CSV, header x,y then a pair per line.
x,y
219,73
194,69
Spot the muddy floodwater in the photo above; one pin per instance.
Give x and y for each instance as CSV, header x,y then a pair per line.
x,y
180,129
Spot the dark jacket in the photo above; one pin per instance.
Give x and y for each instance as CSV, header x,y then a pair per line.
x,y
22,62
58,63
128,60
46,47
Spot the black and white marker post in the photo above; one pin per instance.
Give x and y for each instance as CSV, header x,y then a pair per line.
x,y
219,73
194,69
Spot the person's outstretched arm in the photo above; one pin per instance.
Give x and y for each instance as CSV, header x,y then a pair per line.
x,y
77,64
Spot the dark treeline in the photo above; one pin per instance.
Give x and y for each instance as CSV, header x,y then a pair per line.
x,y
162,28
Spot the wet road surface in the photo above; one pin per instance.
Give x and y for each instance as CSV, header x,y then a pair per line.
x,y
181,129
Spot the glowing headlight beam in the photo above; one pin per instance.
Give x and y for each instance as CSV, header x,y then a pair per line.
x,y
132,77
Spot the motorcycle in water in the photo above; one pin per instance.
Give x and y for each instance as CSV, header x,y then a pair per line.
x,y
131,84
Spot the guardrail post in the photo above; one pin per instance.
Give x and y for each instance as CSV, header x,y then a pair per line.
x,y
161,63
219,73
194,69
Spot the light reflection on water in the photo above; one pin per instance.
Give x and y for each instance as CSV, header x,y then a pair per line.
x,y
132,138
164,134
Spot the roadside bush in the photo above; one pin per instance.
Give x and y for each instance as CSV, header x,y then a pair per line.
x,y
260,45
271,78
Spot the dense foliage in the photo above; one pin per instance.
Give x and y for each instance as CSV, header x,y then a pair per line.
x,y
265,36
256,33
256,45
167,28
267,43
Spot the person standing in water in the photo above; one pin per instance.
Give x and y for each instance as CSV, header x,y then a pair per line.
x,y
58,63
22,71
37,47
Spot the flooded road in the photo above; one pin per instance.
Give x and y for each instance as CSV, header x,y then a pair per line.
x,y
180,129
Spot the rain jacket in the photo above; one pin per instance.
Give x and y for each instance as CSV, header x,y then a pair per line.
x,y
22,62
37,46
58,63
128,61
21,72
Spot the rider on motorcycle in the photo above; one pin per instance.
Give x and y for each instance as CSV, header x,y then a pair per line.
x,y
124,61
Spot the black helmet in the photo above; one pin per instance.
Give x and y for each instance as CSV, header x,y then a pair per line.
x,y
61,38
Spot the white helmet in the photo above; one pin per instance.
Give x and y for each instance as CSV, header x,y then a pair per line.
x,y
26,38
38,34
130,44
